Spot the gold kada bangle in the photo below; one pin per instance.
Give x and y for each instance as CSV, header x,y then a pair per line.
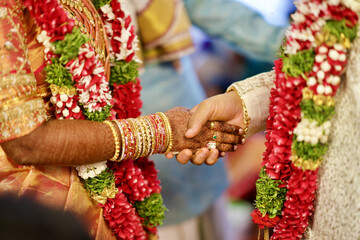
x,y
247,119
168,131
116,140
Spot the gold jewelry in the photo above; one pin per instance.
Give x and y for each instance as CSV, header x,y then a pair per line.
x,y
122,140
247,119
116,140
212,125
168,131
151,135
148,137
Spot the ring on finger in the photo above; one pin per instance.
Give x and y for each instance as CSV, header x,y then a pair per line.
x,y
211,145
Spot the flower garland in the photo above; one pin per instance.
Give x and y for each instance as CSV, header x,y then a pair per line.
x,y
129,191
301,107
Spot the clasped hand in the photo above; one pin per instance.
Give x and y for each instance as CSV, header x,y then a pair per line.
x,y
213,140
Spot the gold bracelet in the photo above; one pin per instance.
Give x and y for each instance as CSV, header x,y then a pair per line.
x,y
147,137
152,135
116,140
122,139
247,119
168,131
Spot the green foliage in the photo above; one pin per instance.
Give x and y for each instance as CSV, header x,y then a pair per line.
x,y
307,151
269,196
299,63
57,74
69,47
99,3
123,72
96,185
97,115
151,210
337,27
315,112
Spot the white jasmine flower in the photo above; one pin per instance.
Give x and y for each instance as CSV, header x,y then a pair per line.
x,y
298,17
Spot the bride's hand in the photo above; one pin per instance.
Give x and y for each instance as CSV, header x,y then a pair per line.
x,y
224,136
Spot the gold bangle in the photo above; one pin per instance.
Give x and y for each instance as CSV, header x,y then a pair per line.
x,y
116,140
168,131
247,119
147,137
152,135
122,139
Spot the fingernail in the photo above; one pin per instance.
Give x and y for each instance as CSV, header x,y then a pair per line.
x,y
222,154
235,147
189,131
241,131
243,141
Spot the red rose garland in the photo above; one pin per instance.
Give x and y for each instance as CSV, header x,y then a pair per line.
x,y
301,106
81,91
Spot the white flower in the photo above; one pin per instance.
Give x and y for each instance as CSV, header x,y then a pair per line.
x,y
311,81
338,68
323,49
334,2
320,58
65,112
325,66
320,89
334,55
328,90
76,109
320,75
42,37
342,57
298,17
64,97
59,104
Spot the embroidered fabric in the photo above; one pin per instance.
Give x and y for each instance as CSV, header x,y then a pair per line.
x,y
255,92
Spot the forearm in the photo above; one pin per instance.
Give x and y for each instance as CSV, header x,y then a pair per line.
x,y
63,142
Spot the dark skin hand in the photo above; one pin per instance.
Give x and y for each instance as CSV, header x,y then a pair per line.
x,y
78,142
226,108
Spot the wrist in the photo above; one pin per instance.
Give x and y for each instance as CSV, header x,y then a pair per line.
x,y
246,120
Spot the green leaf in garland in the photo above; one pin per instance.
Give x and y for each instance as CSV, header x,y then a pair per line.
x,y
299,63
315,112
57,74
307,151
152,210
69,47
335,28
96,185
97,115
123,72
99,3
269,196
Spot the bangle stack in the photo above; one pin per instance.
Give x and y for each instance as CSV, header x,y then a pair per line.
x,y
142,136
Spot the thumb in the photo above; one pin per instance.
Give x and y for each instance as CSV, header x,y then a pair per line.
x,y
201,114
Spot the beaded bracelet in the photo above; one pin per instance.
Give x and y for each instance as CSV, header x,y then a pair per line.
x,y
116,140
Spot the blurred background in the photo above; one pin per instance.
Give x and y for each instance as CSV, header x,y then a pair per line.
x,y
217,67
